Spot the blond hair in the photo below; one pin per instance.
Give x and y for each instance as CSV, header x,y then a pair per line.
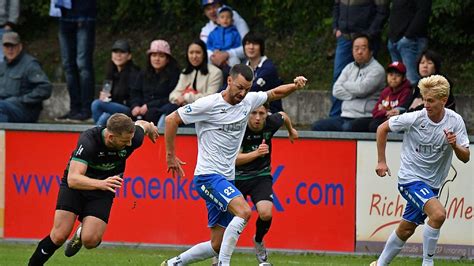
x,y
436,85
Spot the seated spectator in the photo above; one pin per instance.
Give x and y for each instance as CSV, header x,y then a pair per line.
x,y
396,93
210,11
358,86
121,75
198,79
265,73
23,84
429,63
224,37
149,99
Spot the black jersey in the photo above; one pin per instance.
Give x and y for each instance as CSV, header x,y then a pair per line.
x,y
260,166
101,161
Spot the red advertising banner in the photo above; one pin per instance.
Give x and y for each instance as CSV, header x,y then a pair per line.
x,y
314,192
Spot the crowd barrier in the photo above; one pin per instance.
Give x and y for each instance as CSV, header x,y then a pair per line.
x,y
327,195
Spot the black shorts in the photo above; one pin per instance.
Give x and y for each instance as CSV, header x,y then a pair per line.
x,y
258,188
85,203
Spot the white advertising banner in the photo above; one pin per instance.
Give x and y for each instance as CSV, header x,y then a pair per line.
x,y
380,206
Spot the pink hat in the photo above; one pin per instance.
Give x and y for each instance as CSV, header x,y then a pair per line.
x,y
159,46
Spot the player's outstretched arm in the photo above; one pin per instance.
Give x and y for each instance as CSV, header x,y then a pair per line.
x,y
150,129
461,152
382,132
171,127
77,179
286,89
292,132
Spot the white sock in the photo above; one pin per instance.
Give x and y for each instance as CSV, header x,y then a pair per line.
x,y
392,248
430,239
198,252
231,235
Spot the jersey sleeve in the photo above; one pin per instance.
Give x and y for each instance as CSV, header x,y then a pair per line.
x,y
461,133
256,99
274,122
84,150
138,138
196,111
402,122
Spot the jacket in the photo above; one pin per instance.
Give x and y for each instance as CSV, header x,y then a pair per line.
x,y
389,99
205,84
223,39
24,82
358,87
9,12
409,19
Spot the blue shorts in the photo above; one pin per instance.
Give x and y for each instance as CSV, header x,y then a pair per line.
x,y
218,192
417,194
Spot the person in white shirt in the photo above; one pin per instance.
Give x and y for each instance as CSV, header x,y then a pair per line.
x,y
431,135
221,120
210,11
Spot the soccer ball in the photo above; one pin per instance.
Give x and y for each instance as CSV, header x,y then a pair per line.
x,y
265,264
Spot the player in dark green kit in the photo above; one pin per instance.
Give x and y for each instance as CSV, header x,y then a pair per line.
x,y
87,189
253,170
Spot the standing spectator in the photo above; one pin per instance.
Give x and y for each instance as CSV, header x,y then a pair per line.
x,y
198,79
358,87
264,71
150,97
23,84
224,37
253,168
431,137
407,33
9,13
121,76
350,18
77,41
210,11
396,93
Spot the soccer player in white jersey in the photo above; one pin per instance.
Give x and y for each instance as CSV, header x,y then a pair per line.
x,y
431,135
221,120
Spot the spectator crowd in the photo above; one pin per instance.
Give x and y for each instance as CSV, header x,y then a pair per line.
x,y
364,93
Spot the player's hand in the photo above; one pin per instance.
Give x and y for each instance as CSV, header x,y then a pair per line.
x,y
174,164
111,183
293,135
152,132
450,137
263,149
300,82
382,169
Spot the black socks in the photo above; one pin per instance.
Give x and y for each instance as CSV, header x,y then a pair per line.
x,y
43,252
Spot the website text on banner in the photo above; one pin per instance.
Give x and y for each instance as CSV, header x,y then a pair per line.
x,y
314,196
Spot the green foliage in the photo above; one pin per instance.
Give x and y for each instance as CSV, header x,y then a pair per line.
x,y
451,22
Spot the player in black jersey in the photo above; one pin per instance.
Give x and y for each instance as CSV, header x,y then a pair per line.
x,y
253,170
87,189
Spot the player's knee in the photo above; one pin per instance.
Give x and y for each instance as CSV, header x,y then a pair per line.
x,y
438,217
265,214
58,238
91,242
246,213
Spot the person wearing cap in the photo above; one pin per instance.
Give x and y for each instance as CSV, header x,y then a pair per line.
x,y
121,76
224,37
210,11
23,84
391,99
149,99
358,86
9,13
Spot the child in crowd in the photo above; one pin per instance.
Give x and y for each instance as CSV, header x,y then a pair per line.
x,y
225,36
396,93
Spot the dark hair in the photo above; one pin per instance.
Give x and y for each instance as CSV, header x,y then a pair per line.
x,y
203,66
119,123
432,56
254,38
167,71
243,70
362,35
